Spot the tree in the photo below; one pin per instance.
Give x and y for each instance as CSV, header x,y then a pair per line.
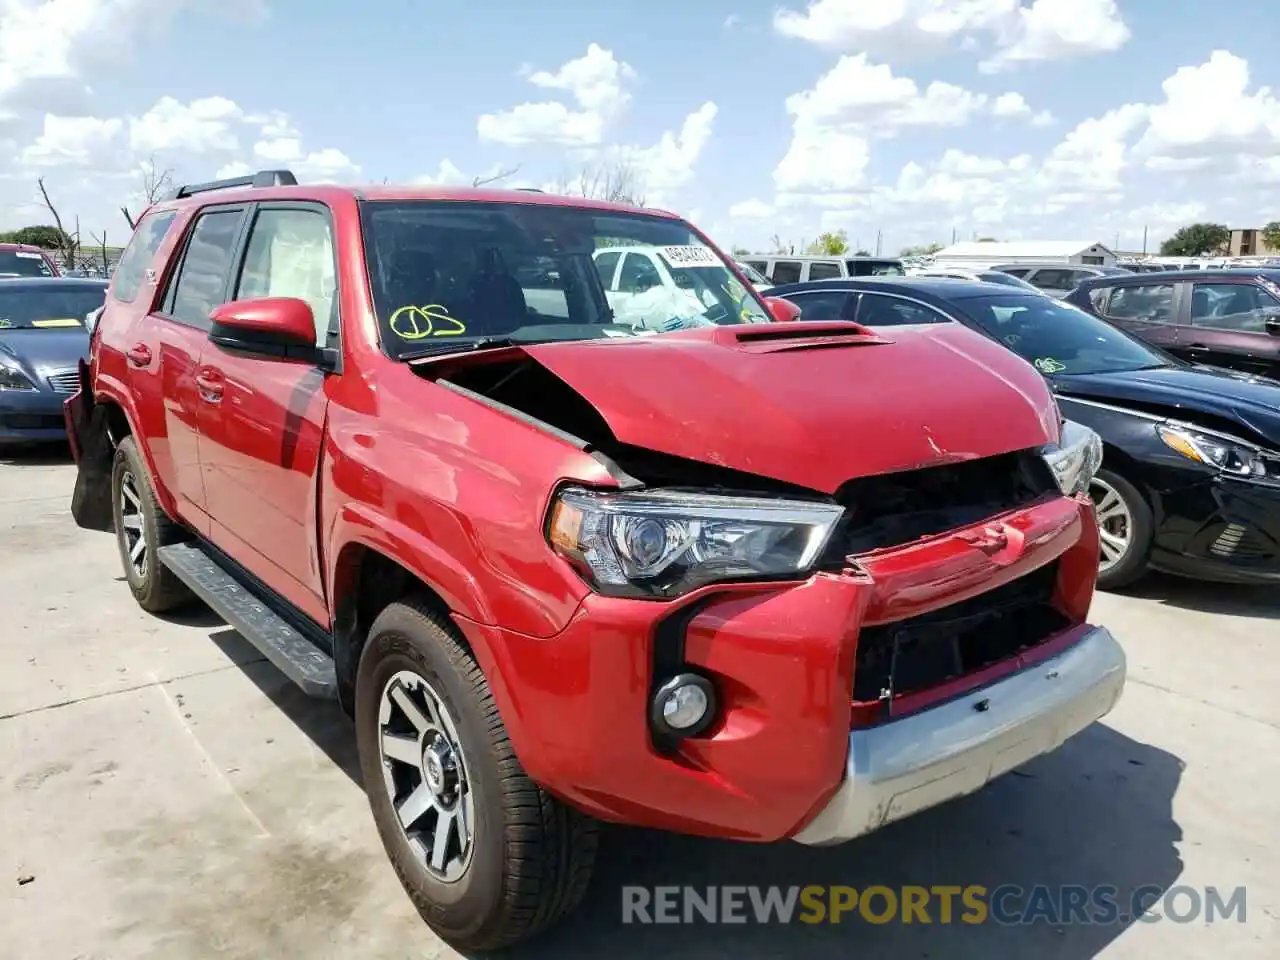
x,y
67,243
920,250
1271,235
45,237
829,244
154,183
1196,240
741,252
617,182
861,253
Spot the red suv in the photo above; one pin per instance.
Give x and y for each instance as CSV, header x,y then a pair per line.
x,y
568,555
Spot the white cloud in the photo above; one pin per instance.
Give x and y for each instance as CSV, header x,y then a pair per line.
x,y
1018,32
596,82
446,175
1208,112
855,101
669,164
72,141
202,126
752,209
1014,105
1061,30
48,46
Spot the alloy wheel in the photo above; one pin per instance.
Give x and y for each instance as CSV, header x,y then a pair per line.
x,y
132,526
425,775
1115,523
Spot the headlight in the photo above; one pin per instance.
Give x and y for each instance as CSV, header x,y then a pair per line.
x,y
11,378
1075,458
1218,451
664,543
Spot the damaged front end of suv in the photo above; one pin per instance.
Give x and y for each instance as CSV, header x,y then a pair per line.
x,y
808,614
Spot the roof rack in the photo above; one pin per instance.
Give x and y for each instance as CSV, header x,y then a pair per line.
x,y
263,178
530,190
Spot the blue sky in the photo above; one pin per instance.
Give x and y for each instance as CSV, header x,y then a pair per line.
x,y
780,119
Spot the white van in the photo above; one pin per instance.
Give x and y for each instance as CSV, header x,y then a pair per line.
x,y
780,269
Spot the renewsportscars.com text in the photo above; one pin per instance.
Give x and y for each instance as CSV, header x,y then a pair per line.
x,y
1007,905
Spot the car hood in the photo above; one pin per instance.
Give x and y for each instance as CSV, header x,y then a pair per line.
x,y
811,404
1253,402
45,350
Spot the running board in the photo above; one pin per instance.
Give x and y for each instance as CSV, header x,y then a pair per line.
x,y
297,657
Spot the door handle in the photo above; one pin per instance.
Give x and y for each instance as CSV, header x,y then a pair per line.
x,y
210,387
1196,348
139,354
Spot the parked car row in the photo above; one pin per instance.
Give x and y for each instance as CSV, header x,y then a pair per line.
x,y
1190,482
577,526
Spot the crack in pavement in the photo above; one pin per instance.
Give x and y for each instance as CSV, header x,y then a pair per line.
x,y
1194,699
131,689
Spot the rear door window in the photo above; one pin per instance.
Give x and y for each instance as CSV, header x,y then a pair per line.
x,y
1020,272
1237,307
877,310
203,276
785,271
141,250
822,304
1149,303
824,270
638,274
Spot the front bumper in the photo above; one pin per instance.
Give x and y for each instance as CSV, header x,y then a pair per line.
x,y
783,660
955,748
1219,529
29,416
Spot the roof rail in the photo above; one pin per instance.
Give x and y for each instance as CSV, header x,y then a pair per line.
x,y
263,178
530,190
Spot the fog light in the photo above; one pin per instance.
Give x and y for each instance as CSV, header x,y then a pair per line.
x,y
684,706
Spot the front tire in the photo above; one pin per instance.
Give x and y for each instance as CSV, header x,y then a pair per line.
x,y
1125,528
488,858
142,527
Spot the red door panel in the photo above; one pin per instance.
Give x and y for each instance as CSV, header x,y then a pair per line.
x,y
261,424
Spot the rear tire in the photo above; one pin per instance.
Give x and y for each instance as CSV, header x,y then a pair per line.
x,y
434,751
142,527
1126,527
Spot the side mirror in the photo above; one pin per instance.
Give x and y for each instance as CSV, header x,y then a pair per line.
x,y
782,310
278,328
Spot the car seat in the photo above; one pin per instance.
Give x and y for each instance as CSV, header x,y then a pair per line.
x,y
498,304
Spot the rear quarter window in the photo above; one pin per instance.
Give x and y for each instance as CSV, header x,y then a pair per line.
x,y
141,250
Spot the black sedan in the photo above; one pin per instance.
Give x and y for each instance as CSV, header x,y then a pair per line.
x,y
1190,482
42,339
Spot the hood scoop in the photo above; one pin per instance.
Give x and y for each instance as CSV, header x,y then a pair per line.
x,y
798,335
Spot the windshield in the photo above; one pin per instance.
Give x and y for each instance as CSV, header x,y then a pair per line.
x,y
23,307
23,263
448,274
1057,337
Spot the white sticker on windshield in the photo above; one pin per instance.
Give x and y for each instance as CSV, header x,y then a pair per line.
x,y
27,256
689,256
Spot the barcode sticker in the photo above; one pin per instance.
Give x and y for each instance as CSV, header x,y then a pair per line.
x,y
689,256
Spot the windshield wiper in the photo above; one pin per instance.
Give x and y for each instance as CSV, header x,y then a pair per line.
x,y
480,343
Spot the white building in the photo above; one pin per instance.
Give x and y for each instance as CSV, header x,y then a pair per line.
x,y
988,253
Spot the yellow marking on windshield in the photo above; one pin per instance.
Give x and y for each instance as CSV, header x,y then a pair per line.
x,y
418,323
58,322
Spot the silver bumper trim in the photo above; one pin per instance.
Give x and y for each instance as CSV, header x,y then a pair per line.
x,y
957,747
